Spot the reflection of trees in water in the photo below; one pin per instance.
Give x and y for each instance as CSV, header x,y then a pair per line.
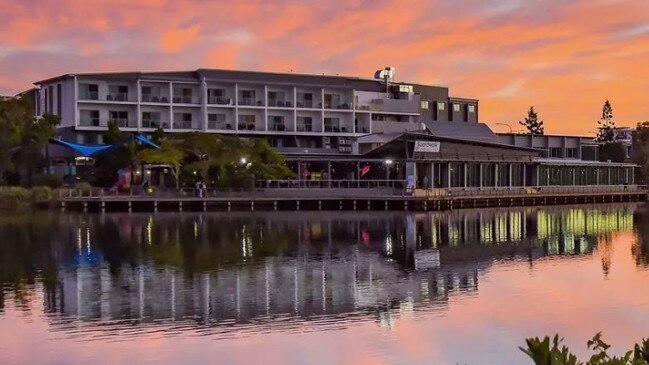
x,y
640,248
39,249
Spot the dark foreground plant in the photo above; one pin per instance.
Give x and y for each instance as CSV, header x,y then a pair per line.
x,y
549,352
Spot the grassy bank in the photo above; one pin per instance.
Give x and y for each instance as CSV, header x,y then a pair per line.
x,y
13,198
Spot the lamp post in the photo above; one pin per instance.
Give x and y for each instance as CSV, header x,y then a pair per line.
x,y
388,164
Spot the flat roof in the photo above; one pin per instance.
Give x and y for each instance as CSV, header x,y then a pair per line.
x,y
202,72
577,162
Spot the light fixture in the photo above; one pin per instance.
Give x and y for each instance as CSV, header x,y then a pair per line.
x,y
389,162
243,160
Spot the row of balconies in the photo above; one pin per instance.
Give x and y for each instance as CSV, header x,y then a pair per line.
x,y
329,126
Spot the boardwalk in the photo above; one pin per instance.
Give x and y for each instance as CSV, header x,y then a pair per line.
x,y
345,198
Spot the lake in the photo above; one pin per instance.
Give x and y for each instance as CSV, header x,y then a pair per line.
x,y
465,286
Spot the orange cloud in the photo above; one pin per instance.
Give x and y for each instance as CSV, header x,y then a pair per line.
x,y
176,39
508,55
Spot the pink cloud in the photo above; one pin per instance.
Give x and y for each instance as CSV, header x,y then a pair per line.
x,y
507,55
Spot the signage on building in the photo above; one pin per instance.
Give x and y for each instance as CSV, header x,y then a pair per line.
x,y
427,146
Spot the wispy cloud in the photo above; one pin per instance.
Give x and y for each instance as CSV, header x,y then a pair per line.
x,y
562,57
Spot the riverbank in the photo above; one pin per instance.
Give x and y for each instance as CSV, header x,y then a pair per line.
x,y
15,198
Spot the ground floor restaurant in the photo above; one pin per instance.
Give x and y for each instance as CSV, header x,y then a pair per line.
x,y
425,162
456,174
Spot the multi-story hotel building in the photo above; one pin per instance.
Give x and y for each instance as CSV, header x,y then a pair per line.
x,y
330,128
294,111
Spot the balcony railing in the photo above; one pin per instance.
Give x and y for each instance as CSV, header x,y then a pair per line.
x,y
125,123
335,129
184,124
218,100
304,104
250,102
153,123
90,123
342,106
247,126
220,125
184,100
304,128
279,127
148,98
280,103
391,106
89,95
117,97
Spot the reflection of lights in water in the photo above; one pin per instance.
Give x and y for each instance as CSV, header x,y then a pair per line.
x,y
407,307
246,243
149,231
195,230
386,320
423,288
88,239
79,239
388,245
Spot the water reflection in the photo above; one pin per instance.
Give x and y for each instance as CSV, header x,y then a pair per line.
x,y
225,273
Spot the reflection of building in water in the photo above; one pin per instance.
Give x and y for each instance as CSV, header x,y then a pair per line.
x,y
241,268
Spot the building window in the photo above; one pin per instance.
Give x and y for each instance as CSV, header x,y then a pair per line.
x,y
572,152
117,93
120,117
556,152
456,107
58,99
151,120
217,121
441,105
89,118
424,104
88,92
471,108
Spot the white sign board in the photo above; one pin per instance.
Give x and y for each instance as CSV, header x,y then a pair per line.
x,y
427,259
427,146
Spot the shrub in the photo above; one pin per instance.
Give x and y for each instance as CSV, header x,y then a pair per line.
x,y
41,194
13,197
51,181
544,352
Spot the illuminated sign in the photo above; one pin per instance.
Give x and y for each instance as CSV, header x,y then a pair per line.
x,y
427,146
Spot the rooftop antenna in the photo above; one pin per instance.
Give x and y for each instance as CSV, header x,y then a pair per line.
x,y
387,75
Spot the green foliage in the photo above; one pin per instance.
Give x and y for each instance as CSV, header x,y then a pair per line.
x,y
532,123
24,138
116,158
170,153
220,159
640,149
14,197
544,352
51,181
612,151
606,125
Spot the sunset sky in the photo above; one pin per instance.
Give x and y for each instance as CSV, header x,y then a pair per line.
x,y
563,57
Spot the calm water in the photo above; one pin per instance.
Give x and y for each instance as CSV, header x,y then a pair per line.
x,y
321,288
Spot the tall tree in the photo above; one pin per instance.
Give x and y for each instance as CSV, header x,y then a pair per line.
x,y
170,153
640,150
532,123
606,125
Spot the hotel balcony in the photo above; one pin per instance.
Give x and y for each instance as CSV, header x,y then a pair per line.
x,y
280,103
88,95
304,104
149,98
121,123
379,103
154,123
250,102
218,100
185,100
